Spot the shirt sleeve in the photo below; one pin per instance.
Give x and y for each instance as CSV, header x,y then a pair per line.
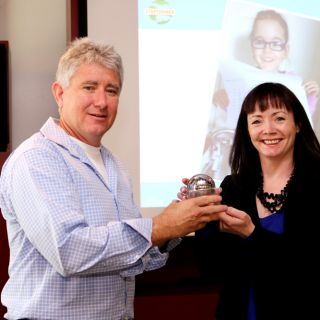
x,y
49,216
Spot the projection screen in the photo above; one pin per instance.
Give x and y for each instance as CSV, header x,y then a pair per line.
x,y
176,54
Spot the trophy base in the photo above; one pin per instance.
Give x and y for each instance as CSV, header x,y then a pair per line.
x,y
199,193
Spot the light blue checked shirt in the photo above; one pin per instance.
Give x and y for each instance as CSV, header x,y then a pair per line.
x,y
76,242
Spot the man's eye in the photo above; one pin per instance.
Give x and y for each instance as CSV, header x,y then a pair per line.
x,y
112,92
88,88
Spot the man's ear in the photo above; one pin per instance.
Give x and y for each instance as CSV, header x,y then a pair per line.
x,y
57,92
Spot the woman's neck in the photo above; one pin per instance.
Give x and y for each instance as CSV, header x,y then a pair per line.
x,y
276,174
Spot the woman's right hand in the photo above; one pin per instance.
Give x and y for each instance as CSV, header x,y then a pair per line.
x,y
182,195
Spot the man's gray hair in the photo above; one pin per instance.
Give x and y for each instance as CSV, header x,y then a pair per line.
x,y
86,51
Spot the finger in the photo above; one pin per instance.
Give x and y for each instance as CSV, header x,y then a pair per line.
x,y
207,200
218,210
183,189
226,220
235,213
208,217
218,190
185,180
181,196
311,87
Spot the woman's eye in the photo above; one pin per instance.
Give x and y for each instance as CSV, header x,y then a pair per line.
x,y
255,122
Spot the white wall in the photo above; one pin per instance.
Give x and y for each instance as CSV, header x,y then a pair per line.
x,y
37,35
122,33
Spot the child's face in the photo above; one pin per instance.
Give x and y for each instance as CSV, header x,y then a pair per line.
x,y
269,56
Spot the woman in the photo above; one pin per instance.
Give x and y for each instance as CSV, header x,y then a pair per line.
x,y
264,249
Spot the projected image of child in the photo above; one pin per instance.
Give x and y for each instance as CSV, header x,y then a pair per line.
x,y
269,42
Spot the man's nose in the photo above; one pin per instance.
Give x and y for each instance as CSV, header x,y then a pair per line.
x,y
101,98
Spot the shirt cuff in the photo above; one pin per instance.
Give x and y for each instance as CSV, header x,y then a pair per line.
x,y
141,225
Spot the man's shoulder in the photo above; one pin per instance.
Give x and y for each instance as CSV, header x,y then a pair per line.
x,y
36,144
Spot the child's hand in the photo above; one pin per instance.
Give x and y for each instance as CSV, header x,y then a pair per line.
x,y
221,99
311,87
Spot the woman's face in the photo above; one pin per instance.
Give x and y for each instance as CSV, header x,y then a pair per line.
x,y
269,45
272,132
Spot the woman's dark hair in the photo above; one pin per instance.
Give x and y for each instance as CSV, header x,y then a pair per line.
x,y
244,158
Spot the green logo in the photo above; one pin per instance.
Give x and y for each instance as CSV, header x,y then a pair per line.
x,y
160,12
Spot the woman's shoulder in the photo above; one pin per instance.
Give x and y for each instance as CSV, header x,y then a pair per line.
x,y
307,178
230,186
309,169
234,187
227,180
235,182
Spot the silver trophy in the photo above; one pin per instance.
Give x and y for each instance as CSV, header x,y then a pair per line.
x,y
200,185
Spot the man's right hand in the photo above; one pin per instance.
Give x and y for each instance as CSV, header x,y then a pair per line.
x,y
183,217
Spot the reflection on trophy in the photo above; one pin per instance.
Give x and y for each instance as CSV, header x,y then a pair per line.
x,y
216,155
200,185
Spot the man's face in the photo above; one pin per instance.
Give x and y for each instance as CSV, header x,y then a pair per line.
x,y
88,106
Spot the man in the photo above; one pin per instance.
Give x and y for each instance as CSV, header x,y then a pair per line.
x,y
77,240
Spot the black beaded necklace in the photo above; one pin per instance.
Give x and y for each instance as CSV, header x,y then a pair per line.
x,y
274,201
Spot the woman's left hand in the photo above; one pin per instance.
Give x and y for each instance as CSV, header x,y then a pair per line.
x,y
237,222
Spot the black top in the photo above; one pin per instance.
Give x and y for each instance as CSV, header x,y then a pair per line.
x,y
283,268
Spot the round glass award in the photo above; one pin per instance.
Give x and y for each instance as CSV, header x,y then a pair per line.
x,y
200,185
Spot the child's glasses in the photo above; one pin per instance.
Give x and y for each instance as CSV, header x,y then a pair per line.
x,y
275,45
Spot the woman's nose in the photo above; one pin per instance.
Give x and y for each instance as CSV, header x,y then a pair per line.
x,y
268,126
